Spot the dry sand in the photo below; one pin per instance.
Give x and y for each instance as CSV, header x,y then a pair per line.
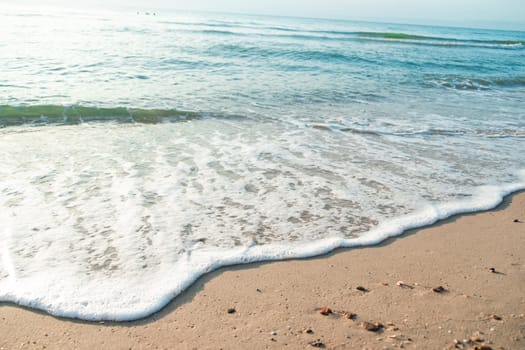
x,y
277,305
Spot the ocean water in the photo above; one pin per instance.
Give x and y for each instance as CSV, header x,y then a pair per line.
x,y
139,152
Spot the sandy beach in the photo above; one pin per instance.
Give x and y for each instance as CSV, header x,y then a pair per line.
x,y
475,263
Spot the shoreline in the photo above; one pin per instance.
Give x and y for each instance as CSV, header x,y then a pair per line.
x,y
493,199
275,303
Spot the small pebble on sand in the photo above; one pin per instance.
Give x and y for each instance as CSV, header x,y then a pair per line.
x,y
371,327
349,315
481,347
404,285
317,343
439,289
325,311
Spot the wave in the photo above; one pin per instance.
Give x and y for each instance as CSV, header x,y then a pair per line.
x,y
503,133
320,34
337,35
402,38
437,41
431,132
112,305
207,31
239,50
56,114
468,83
415,37
218,32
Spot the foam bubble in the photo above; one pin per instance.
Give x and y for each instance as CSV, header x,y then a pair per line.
x,y
113,222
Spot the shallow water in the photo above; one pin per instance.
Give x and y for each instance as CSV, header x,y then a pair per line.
x,y
139,152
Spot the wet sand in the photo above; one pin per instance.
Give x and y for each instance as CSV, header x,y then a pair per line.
x,y
477,259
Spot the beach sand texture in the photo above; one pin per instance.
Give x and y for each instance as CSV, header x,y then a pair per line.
x,y
478,259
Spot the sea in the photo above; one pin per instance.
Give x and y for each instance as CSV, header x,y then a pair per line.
x,y
141,150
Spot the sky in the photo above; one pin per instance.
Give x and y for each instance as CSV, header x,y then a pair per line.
x,y
506,14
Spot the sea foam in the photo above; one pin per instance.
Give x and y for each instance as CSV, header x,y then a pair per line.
x,y
111,221
122,299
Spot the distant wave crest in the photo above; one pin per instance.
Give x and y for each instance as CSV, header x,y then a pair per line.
x,y
438,41
56,114
470,83
431,132
319,34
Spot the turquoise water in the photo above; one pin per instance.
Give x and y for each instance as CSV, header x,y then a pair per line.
x,y
139,152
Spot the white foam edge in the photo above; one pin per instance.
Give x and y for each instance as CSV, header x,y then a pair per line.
x,y
161,288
